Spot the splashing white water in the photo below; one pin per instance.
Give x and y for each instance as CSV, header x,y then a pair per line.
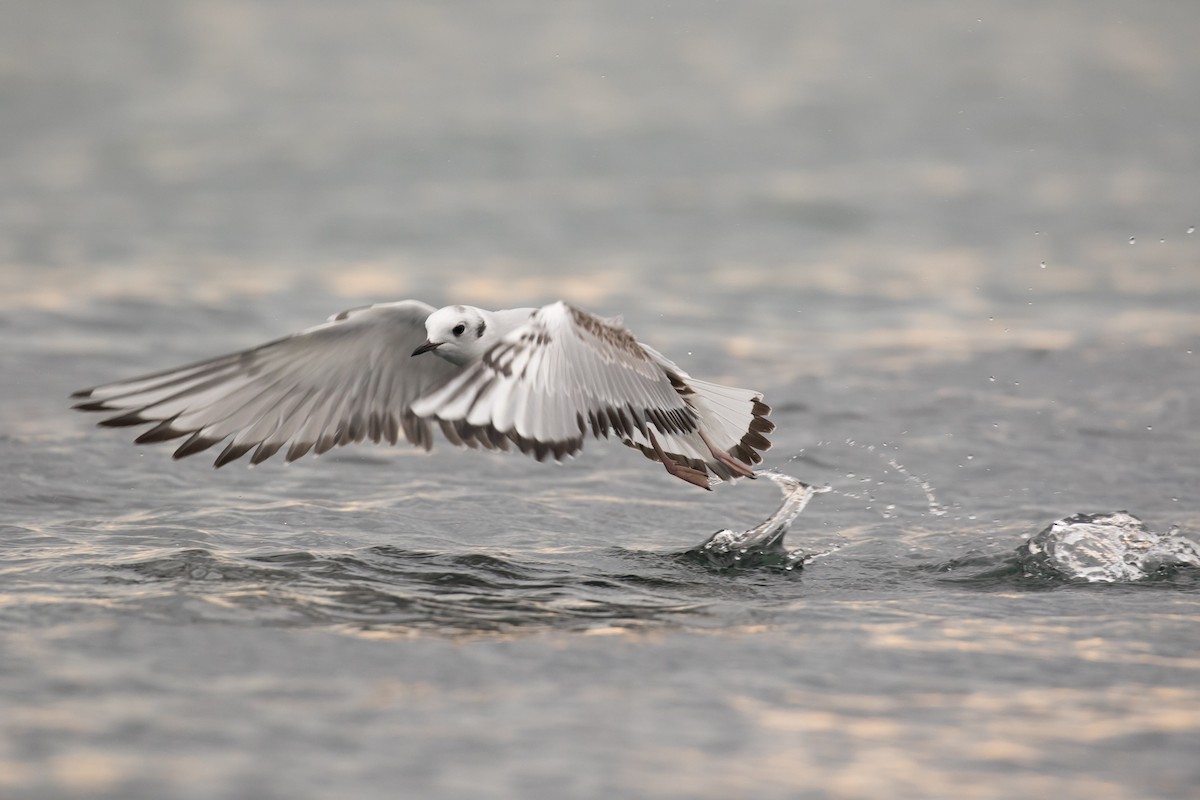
x,y
1107,547
763,544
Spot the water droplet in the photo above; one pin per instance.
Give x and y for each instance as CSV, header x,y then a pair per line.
x,y
970,457
1133,240
1043,265
1149,427
1191,229
992,378
1037,233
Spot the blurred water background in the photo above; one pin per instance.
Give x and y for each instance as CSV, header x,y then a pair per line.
x,y
952,242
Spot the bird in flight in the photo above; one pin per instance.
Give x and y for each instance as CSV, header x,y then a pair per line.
x,y
540,379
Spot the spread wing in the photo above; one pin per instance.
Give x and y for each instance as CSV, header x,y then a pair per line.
x,y
567,373
347,379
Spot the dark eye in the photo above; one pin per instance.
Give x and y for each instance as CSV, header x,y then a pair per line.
x,y
459,329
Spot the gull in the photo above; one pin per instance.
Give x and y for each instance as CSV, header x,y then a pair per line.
x,y
540,379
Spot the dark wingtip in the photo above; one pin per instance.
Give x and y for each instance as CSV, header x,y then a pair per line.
x,y
82,393
124,420
161,432
265,451
196,444
297,450
233,452
94,405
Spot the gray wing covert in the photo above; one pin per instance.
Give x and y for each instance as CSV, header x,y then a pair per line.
x,y
345,380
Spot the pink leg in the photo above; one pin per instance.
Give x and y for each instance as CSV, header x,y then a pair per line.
x,y
720,455
693,476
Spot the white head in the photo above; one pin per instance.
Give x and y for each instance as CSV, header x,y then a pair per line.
x,y
459,334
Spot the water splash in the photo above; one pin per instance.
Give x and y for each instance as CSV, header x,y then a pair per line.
x,y
883,452
762,545
931,502
1106,547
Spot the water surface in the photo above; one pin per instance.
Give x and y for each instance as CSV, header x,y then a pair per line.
x,y
953,245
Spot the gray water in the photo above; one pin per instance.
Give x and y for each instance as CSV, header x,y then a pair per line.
x,y
952,243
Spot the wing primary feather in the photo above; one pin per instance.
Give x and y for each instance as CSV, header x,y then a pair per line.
x,y
232,452
297,450
197,443
392,427
264,451
161,432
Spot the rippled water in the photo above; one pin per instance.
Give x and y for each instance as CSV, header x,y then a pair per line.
x,y
954,246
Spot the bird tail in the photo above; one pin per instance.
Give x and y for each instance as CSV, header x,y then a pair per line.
x,y
735,420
